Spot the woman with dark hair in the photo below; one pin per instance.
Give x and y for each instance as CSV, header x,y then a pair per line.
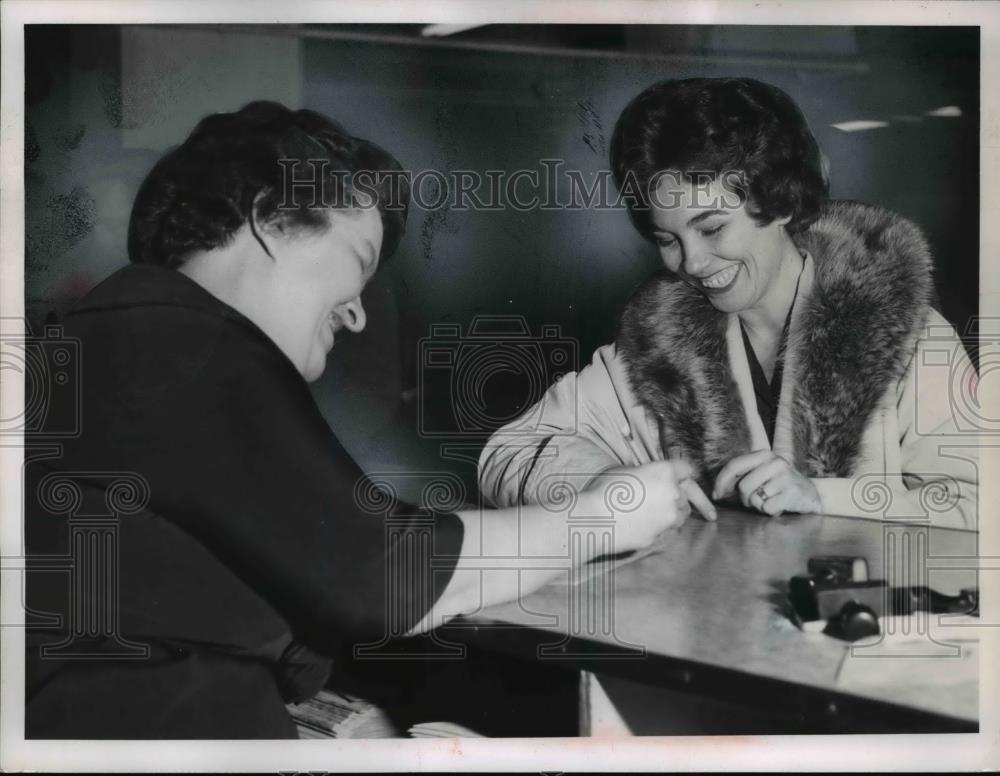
x,y
782,352
251,549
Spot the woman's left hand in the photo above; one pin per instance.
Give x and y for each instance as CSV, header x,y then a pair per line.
x,y
768,483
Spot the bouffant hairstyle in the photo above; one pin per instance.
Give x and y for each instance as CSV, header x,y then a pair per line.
x,y
235,167
721,126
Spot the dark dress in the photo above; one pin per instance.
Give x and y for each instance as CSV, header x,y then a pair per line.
x,y
245,554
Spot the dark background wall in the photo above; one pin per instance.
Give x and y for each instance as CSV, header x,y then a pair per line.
x,y
103,103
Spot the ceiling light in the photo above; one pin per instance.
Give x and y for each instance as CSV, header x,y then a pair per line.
x,y
857,126
441,30
949,111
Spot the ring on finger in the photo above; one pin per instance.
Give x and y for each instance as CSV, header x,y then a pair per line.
x,y
761,493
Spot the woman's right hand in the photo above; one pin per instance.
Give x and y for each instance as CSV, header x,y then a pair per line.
x,y
646,500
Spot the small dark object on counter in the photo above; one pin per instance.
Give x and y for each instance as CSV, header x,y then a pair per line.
x,y
837,589
838,568
854,621
818,600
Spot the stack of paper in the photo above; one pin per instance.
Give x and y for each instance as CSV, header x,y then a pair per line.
x,y
442,730
332,714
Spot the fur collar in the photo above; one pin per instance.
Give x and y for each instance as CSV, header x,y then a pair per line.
x,y
852,340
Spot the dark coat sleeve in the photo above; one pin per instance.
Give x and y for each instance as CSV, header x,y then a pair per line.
x,y
236,453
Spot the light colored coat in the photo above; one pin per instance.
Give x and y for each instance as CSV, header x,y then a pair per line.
x,y
888,435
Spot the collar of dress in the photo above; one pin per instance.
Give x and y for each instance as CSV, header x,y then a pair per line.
x,y
863,297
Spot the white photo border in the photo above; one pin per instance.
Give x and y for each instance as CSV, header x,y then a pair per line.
x,y
800,752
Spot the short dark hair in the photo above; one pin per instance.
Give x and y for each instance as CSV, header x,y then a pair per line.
x,y
714,125
202,192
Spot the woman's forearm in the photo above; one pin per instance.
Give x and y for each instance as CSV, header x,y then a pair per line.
x,y
504,553
508,553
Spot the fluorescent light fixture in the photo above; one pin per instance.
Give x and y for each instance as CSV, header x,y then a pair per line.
x,y
858,126
948,111
442,30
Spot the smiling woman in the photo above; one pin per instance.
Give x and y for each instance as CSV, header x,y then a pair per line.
x,y
296,270
782,351
255,550
300,289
